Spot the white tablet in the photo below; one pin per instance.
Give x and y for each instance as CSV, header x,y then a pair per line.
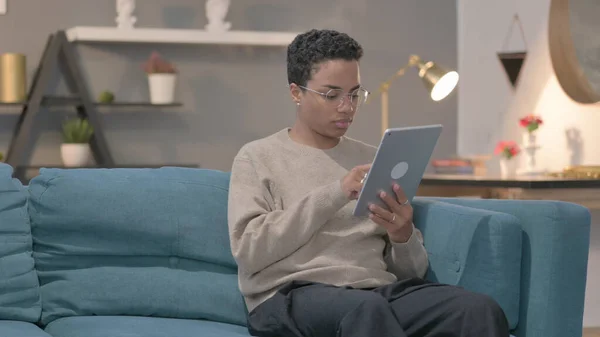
x,y
402,157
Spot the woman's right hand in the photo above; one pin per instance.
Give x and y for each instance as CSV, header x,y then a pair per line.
x,y
352,183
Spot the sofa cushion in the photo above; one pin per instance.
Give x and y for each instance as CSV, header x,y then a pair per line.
x,y
142,242
477,249
120,326
19,286
21,329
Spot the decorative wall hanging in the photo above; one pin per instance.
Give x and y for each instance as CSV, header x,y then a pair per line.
x,y
512,61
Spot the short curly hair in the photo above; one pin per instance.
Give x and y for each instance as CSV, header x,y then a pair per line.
x,y
309,49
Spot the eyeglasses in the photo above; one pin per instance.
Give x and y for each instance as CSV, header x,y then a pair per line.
x,y
335,97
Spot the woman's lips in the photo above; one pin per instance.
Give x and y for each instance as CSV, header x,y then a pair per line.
x,y
343,124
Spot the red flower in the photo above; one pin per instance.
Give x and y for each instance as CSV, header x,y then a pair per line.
x,y
157,65
507,149
531,122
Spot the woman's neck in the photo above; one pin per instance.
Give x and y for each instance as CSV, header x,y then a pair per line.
x,y
306,136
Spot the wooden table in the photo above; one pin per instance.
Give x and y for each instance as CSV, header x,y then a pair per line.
x,y
585,192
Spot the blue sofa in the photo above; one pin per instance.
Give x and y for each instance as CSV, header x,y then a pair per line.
x,y
145,252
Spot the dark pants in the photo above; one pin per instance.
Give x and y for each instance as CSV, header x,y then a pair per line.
x,y
404,309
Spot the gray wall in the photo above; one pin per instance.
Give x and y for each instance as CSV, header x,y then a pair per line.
x,y
233,95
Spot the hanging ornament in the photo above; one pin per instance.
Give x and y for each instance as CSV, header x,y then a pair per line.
x,y
512,61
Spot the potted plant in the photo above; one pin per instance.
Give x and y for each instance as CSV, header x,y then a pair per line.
x,y
75,150
1,156
162,76
507,150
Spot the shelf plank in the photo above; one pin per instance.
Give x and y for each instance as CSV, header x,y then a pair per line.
x,y
178,36
57,101
67,101
37,167
136,104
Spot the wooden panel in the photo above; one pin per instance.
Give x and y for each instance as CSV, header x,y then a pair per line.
x,y
591,332
587,197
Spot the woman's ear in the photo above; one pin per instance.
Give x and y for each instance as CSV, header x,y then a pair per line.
x,y
296,93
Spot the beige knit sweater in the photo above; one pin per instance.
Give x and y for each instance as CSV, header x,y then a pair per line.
x,y
289,220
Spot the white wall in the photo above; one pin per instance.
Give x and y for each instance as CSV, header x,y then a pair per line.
x,y
489,109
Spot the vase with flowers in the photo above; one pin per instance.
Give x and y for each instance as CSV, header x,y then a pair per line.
x,y
162,76
507,150
530,124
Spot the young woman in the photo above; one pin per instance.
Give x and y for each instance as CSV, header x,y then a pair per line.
x,y
307,266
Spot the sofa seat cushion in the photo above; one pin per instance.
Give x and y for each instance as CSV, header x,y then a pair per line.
x,y
21,329
19,285
138,326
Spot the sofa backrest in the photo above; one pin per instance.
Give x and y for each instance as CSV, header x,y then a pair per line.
x,y
19,286
148,242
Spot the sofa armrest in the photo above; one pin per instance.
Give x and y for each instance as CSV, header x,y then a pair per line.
x,y
477,249
556,239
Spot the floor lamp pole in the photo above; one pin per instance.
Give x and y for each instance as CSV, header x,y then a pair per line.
x,y
385,112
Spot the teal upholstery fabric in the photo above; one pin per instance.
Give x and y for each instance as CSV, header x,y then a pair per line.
x,y
19,286
139,242
122,326
479,250
21,329
556,241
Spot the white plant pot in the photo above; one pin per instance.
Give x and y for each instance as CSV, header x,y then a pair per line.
x,y
75,155
162,88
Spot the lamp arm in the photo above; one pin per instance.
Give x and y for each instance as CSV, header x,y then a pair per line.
x,y
414,60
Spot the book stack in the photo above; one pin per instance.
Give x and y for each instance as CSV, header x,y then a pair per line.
x,y
461,166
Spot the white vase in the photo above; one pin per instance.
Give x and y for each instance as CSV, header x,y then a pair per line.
x,y
162,88
75,155
530,147
529,139
508,168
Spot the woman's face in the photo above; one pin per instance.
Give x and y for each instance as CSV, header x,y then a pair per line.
x,y
329,116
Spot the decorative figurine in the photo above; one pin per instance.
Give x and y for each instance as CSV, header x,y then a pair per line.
x,y
216,10
124,10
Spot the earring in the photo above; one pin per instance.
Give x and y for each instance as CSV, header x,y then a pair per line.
x,y
298,103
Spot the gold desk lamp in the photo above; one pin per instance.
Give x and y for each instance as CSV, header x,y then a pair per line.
x,y
438,81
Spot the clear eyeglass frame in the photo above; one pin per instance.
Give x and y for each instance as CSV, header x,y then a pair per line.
x,y
335,97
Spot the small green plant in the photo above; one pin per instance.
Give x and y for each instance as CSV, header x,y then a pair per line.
x,y
1,156
77,131
106,97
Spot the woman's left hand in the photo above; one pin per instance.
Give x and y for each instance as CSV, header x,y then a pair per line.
x,y
398,218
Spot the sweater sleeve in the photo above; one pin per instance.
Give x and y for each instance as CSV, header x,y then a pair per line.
x,y
408,259
260,235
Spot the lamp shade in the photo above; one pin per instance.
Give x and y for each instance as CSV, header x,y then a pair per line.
x,y
439,81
